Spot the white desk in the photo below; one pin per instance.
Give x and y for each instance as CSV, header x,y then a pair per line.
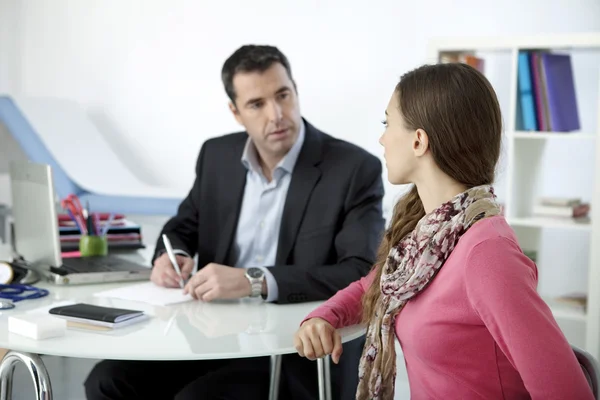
x,y
187,331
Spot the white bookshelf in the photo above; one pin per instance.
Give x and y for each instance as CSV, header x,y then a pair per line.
x,y
518,135
523,172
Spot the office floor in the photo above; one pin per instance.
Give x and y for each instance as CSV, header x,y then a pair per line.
x,y
68,374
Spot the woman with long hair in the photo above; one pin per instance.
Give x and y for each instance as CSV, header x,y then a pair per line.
x,y
476,328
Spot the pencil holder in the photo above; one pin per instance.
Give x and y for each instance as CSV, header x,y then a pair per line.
x,y
93,246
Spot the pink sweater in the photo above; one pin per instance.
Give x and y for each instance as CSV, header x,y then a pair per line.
x,y
480,330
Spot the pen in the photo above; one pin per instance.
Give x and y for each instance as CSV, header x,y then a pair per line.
x,y
96,223
171,255
89,221
78,223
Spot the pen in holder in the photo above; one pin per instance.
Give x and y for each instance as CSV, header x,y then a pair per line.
x,y
92,245
93,242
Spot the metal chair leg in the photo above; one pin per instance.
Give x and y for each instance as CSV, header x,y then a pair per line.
x,y
275,377
324,371
37,370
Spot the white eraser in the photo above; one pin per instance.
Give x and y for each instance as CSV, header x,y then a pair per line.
x,y
37,326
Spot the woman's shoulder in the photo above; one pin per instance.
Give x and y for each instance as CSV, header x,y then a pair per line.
x,y
491,247
493,229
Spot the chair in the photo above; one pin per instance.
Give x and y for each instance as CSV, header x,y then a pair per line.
x,y
590,368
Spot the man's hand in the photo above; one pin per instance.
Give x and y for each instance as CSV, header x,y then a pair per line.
x,y
163,273
216,281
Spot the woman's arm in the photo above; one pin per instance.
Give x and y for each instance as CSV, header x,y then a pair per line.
x,y
319,337
344,308
501,284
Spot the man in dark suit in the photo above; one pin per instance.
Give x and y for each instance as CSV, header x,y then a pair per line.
x,y
281,210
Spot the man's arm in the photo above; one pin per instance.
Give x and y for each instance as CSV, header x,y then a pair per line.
x,y
355,244
182,229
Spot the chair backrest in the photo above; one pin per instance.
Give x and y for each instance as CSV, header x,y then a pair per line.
x,y
590,368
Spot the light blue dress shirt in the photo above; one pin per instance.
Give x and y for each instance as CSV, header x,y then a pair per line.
x,y
257,232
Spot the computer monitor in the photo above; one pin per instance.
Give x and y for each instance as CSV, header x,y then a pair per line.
x,y
37,238
37,235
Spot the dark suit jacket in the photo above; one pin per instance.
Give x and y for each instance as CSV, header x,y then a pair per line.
x,y
331,227
332,220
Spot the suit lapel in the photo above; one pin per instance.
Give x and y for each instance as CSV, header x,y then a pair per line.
x,y
234,179
304,178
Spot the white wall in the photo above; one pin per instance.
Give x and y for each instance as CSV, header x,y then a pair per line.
x,y
9,80
148,70
9,38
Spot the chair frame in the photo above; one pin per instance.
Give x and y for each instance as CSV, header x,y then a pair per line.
x,y
590,365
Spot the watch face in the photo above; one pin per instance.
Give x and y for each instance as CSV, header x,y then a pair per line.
x,y
255,273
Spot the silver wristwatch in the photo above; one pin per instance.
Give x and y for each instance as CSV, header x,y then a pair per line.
x,y
256,276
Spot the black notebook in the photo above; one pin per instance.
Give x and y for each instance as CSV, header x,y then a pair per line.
x,y
98,315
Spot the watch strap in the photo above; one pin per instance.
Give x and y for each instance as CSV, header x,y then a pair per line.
x,y
256,285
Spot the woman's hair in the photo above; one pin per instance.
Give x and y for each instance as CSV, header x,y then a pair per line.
x,y
458,109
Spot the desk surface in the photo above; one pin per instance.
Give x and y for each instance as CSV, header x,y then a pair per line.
x,y
187,331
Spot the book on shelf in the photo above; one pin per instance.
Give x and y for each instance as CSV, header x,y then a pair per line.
x,y
572,208
575,300
578,211
546,92
560,201
465,58
122,233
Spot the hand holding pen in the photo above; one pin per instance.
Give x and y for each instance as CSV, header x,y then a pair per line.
x,y
171,270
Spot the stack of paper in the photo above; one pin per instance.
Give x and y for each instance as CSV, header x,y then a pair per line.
x,y
149,293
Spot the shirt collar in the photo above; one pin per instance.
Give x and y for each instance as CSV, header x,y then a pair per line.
x,y
287,163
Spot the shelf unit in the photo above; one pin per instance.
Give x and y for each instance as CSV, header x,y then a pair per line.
x,y
523,172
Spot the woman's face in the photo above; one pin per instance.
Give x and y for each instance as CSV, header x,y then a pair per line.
x,y
398,142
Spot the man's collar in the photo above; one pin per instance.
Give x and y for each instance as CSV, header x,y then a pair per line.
x,y
287,163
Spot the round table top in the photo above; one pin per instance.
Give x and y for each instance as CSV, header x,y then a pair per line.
x,y
192,330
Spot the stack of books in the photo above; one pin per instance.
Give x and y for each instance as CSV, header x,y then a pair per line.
x,y
122,233
573,302
546,87
557,207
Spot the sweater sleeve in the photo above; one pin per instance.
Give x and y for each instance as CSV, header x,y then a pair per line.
x,y
501,285
344,308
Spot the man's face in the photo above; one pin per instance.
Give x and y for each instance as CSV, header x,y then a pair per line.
x,y
267,106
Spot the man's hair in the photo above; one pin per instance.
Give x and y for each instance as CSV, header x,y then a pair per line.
x,y
251,58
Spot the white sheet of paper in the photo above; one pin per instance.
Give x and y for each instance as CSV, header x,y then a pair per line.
x,y
147,292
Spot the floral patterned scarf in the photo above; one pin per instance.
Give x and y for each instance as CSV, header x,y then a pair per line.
x,y
411,265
